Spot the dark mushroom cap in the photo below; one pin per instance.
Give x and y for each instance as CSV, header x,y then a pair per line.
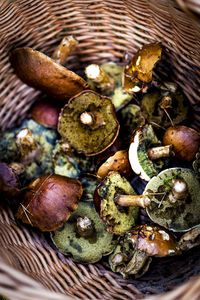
x,y
185,141
177,217
45,113
49,201
85,138
84,249
41,72
139,70
118,219
154,240
9,182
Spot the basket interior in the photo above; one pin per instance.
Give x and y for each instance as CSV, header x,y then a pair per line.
x,y
106,31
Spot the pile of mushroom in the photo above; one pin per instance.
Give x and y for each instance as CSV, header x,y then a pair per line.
x,y
117,142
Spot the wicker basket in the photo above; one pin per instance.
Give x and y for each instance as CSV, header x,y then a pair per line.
x,y
106,30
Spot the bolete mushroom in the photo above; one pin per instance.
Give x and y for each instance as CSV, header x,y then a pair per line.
x,y
133,257
185,141
46,74
84,236
118,162
88,123
49,201
45,113
107,80
146,154
118,219
164,108
138,73
174,195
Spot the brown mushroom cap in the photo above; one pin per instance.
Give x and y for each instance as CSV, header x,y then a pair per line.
x,y
49,201
41,72
118,162
154,240
45,113
185,141
87,138
140,68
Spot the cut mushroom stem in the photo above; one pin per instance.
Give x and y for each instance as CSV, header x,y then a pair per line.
x,y
179,191
119,258
27,145
160,152
133,200
92,119
85,227
100,78
64,49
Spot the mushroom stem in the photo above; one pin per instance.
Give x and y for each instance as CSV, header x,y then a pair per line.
x,y
133,200
100,78
92,119
63,50
159,152
27,145
119,258
179,191
85,227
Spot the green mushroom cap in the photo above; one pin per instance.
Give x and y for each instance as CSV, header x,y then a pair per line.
x,y
182,215
84,138
84,249
118,219
152,109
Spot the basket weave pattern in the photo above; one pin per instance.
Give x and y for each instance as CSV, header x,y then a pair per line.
x,y
106,30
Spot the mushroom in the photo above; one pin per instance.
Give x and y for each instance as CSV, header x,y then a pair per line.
x,y
133,257
118,219
118,162
146,155
88,123
164,108
175,195
84,235
46,74
45,113
107,80
39,161
185,141
138,73
27,146
49,201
